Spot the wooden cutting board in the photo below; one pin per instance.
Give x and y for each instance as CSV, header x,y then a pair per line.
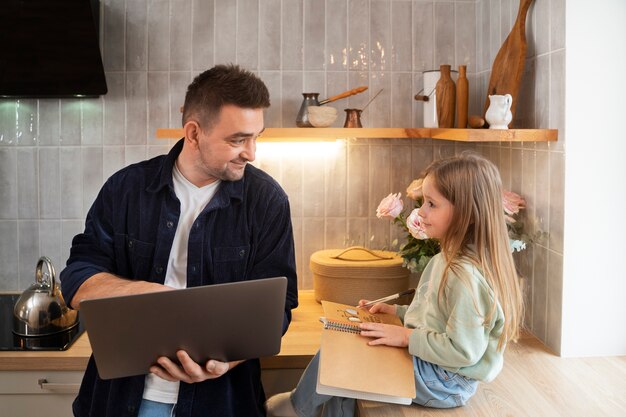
x,y
508,67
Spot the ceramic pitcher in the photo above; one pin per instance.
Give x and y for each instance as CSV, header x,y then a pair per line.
x,y
499,112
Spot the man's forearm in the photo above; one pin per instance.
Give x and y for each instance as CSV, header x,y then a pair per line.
x,y
104,284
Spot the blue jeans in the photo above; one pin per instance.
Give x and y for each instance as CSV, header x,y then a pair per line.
x,y
308,403
150,408
435,387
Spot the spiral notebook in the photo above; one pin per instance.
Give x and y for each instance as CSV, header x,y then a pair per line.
x,y
351,368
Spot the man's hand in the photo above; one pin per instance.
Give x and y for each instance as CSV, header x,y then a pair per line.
x,y
190,371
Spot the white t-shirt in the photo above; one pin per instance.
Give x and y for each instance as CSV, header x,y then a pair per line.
x,y
192,201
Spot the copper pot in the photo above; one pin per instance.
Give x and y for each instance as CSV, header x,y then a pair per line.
x,y
353,118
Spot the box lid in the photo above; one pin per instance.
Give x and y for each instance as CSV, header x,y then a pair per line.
x,y
357,262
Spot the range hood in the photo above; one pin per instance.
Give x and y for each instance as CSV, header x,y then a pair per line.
x,y
50,48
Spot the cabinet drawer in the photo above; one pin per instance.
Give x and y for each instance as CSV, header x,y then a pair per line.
x,y
40,382
33,393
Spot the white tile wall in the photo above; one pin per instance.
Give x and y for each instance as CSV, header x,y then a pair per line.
x,y
56,153
535,169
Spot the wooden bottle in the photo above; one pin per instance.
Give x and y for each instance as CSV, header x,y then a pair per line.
x,y
462,97
445,93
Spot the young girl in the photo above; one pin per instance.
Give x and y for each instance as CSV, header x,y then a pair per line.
x,y
468,304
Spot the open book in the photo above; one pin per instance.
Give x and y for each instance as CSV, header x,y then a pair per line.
x,y
350,368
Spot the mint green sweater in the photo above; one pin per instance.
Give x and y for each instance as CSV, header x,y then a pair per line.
x,y
452,334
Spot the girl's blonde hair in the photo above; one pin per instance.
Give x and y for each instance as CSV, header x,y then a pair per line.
x,y
478,232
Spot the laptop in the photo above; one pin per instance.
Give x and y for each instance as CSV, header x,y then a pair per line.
x,y
226,322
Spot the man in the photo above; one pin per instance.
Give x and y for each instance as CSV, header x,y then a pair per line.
x,y
200,215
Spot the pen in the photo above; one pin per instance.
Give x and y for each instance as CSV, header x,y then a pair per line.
x,y
389,297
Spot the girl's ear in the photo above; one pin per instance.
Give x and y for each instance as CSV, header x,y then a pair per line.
x,y
192,133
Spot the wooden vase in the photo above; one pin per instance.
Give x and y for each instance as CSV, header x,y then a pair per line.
x,y
462,97
445,92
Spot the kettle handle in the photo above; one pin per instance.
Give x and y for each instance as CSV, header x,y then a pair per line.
x,y
39,275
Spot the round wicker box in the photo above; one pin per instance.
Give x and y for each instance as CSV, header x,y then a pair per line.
x,y
348,275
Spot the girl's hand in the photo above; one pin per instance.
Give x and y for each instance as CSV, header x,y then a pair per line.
x,y
378,308
189,371
386,334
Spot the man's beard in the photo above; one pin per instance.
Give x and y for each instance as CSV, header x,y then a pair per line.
x,y
227,173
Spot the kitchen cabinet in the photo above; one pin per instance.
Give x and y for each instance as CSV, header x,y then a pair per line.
x,y
34,383
51,393
29,393
33,393
460,135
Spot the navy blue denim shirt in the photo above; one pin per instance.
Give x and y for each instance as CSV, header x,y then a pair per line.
x,y
244,233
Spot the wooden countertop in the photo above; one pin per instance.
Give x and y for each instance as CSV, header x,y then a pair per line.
x,y
298,346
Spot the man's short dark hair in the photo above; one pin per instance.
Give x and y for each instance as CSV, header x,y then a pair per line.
x,y
221,85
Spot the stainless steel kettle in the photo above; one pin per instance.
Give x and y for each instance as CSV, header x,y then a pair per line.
x,y
41,310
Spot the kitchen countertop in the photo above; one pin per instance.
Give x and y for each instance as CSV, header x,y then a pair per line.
x,y
298,346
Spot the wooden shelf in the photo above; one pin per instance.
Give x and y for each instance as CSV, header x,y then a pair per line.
x,y
461,135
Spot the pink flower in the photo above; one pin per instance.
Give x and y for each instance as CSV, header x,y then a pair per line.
x,y
414,190
512,202
414,224
390,206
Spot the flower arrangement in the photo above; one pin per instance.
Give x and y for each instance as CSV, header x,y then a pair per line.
x,y
419,248
513,203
